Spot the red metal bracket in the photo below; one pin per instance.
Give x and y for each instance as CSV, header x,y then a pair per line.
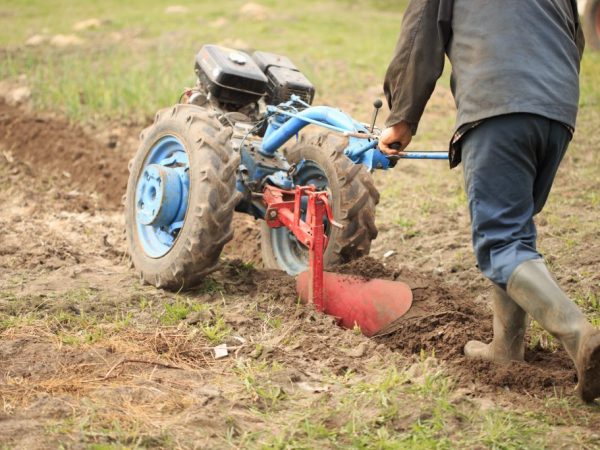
x,y
284,210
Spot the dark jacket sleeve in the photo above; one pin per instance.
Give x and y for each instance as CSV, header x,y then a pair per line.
x,y
579,37
418,59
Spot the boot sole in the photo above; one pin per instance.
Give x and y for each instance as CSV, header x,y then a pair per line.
x,y
477,350
589,381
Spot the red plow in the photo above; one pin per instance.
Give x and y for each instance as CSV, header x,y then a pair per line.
x,y
370,304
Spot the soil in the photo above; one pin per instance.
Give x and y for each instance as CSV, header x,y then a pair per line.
x,y
73,156
63,254
444,317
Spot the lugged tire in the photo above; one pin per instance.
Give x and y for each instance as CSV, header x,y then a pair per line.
x,y
211,202
354,199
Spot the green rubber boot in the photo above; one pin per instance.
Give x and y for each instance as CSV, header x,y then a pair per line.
x,y
509,325
534,288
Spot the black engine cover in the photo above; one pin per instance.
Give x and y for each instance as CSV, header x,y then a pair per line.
x,y
231,76
284,79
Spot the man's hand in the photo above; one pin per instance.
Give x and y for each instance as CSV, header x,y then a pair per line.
x,y
400,133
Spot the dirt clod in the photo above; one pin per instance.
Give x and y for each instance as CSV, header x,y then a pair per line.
x,y
52,146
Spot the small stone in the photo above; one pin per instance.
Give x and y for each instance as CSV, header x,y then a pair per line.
x,y
312,388
218,23
176,9
18,96
66,40
8,156
236,43
88,24
254,11
389,253
35,40
221,351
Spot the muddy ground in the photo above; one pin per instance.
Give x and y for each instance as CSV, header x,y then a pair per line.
x,y
83,343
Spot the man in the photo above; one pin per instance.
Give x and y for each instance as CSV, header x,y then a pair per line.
x,y
515,80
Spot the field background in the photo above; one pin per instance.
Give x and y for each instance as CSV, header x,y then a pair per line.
x,y
89,358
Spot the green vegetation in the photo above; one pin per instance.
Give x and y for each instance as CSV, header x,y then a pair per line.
x,y
215,331
137,62
141,58
373,414
179,310
256,378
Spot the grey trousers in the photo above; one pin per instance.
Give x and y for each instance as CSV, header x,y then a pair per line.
x,y
509,163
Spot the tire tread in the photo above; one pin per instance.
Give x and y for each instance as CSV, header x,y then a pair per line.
x,y
210,221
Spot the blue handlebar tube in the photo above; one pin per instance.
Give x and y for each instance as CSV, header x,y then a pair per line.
x,y
424,155
285,121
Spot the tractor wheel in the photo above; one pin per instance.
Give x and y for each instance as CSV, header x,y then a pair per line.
x,y
591,24
354,197
180,197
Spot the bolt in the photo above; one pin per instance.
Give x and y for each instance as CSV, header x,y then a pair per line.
x,y
272,214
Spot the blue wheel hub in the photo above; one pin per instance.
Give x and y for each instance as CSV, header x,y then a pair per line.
x,y
161,196
291,254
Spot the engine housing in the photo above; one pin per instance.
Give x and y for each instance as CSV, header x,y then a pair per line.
x,y
230,76
235,79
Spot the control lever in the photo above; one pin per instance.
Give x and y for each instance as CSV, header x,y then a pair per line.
x,y
377,104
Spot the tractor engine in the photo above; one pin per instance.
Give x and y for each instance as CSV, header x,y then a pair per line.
x,y
235,81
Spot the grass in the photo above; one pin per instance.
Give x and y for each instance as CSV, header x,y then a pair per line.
x,y
589,302
256,378
148,68
391,405
138,62
211,324
179,310
373,415
215,331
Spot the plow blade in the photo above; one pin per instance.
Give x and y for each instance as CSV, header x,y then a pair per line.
x,y
354,301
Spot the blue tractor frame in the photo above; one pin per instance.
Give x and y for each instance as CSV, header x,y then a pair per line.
x,y
162,189
286,121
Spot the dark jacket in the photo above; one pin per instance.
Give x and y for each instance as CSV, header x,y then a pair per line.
x,y
507,56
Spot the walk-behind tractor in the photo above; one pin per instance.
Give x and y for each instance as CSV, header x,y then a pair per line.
x,y
226,147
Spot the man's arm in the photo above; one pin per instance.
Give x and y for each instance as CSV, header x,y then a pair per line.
x,y
579,37
417,64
